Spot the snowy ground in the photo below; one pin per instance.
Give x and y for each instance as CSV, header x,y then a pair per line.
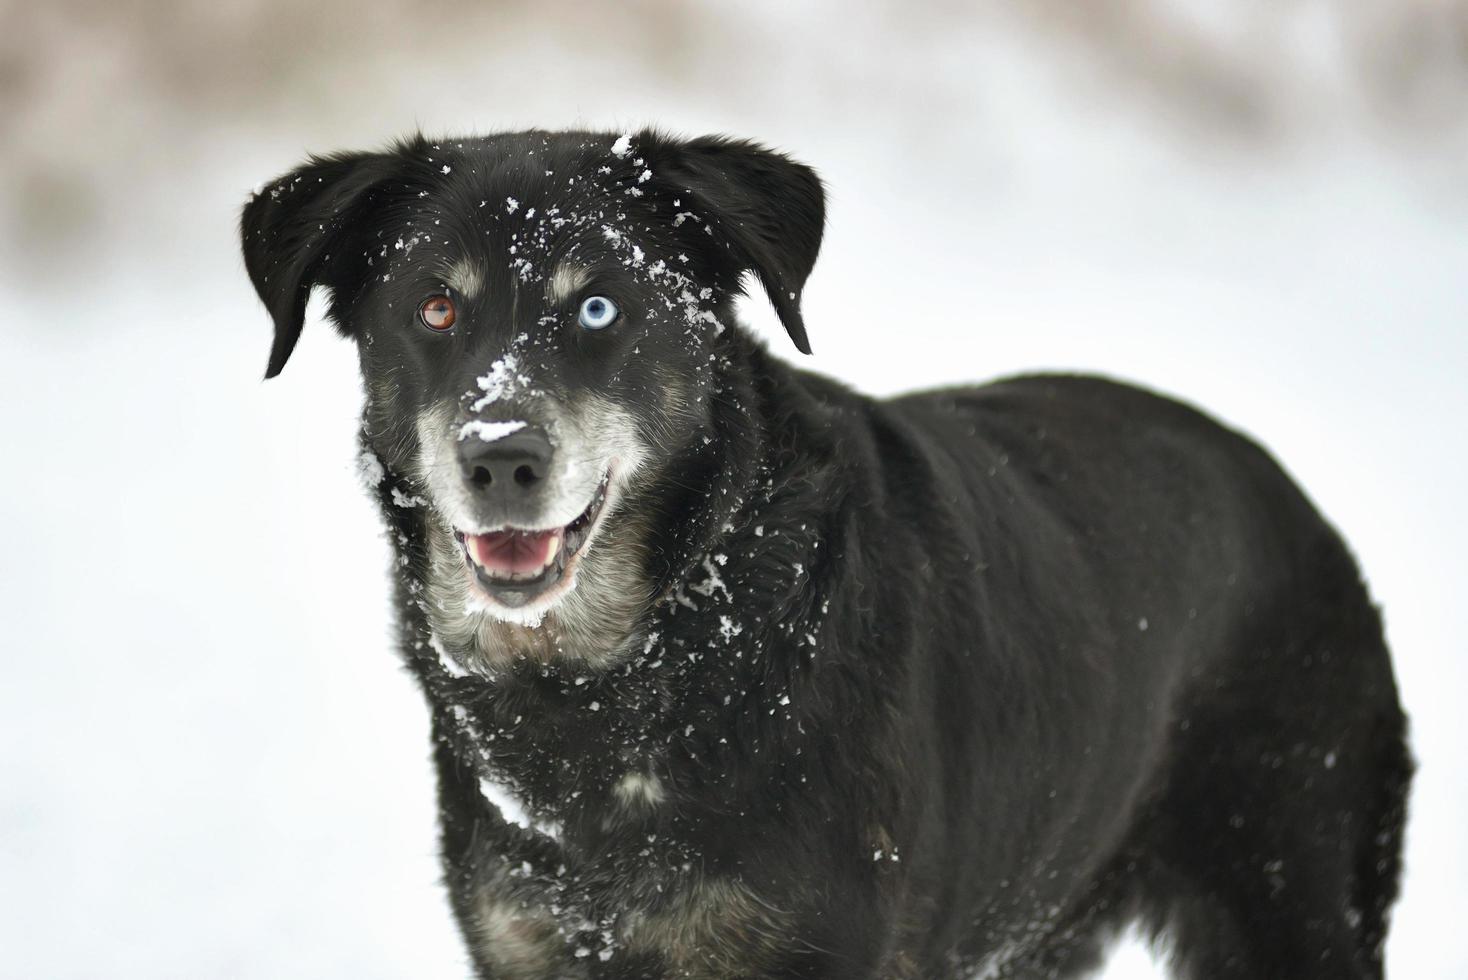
x,y
212,766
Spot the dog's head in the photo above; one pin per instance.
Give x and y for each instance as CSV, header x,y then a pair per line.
x,y
540,320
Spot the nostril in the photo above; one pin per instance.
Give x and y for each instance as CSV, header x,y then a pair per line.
x,y
519,461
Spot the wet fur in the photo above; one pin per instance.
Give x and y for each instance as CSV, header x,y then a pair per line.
x,y
946,685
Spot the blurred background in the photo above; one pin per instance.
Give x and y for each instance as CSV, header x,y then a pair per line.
x,y
211,764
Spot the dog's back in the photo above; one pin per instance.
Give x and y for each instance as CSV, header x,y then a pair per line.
x,y
1181,653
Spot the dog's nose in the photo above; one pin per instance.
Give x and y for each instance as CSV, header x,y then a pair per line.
x,y
514,463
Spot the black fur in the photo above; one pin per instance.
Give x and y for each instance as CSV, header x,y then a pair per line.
x,y
955,681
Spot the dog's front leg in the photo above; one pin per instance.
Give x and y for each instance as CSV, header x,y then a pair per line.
x,y
508,885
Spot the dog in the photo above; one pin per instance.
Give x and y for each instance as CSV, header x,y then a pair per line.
x,y
793,682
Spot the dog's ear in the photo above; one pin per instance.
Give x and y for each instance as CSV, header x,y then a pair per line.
x,y
769,211
292,229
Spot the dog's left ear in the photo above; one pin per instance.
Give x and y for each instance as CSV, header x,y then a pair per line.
x,y
291,230
769,210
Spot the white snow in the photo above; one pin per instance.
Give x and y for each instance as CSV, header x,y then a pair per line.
x,y
489,431
514,809
501,381
445,659
369,468
712,581
402,499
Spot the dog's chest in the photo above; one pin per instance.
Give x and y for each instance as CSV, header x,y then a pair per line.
x,y
699,929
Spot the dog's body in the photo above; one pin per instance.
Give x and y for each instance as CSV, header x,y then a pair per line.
x,y
820,686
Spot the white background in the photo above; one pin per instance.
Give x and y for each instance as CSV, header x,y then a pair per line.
x,y
211,764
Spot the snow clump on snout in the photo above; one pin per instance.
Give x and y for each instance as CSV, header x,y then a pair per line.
x,y
488,431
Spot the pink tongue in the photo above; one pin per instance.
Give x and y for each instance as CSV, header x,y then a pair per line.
x,y
513,552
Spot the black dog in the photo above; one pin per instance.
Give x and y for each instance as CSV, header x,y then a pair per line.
x,y
797,683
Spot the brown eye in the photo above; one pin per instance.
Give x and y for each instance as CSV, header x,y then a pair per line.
x,y
437,313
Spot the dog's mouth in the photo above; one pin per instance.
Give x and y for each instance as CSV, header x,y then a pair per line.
x,y
517,566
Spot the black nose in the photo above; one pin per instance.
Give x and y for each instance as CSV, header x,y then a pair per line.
x,y
512,463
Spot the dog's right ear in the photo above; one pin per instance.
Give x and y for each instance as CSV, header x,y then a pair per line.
x,y
291,230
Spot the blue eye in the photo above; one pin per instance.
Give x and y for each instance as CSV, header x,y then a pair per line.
x,y
597,313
